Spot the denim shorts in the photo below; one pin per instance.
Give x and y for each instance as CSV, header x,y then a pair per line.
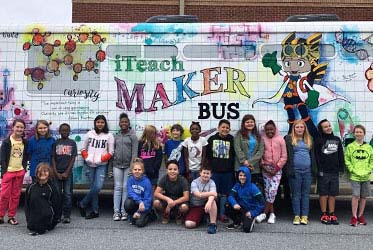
x,y
360,188
328,184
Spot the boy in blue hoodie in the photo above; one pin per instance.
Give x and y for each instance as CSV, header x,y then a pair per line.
x,y
245,202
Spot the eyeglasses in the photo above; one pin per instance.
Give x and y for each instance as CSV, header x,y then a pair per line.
x,y
300,50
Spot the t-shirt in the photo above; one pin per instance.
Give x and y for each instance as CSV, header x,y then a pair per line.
x,y
302,158
199,186
173,189
195,152
63,151
16,155
174,151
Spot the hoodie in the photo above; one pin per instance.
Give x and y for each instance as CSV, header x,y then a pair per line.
x,y
247,195
140,190
329,153
152,159
125,149
220,153
275,153
359,161
98,145
39,151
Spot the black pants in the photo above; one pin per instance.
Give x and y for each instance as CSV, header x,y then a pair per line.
x,y
131,207
239,216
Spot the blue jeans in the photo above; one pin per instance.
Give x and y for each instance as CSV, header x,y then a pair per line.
x,y
96,177
300,186
66,189
120,188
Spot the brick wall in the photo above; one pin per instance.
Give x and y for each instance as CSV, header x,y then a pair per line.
x,y
93,12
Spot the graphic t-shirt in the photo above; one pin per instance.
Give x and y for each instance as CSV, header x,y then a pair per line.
x,y
194,152
63,151
174,151
16,155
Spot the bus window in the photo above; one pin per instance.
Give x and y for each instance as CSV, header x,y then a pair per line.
x,y
313,18
326,50
172,19
160,51
113,51
237,52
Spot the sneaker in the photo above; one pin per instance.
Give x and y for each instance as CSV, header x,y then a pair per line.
x,y
296,220
165,218
179,219
66,220
325,218
81,209
333,219
116,216
271,219
361,220
124,217
353,221
304,220
212,228
233,226
92,215
249,228
33,233
224,218
260,217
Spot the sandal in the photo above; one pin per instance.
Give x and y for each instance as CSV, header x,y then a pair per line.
x,y
1,220
12,221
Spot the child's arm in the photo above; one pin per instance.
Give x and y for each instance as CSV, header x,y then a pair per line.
x,y
183,199
283,157
186,160
158,194
341,157
134,147
131,194
71,162
148,196
110,149
54,167
204,159
232,198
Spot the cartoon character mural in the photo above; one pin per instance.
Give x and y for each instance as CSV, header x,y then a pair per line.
x,y
302,72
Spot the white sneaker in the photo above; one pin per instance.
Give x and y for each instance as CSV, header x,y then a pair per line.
x,y
260,218
124,217
116,216
272,218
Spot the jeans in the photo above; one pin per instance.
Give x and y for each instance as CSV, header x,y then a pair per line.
x,y
300,186
66,189
96,177
11,187
132,207
120,188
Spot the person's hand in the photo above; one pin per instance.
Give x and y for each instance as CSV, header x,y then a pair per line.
x,y
136,215
236,207
65,175
208,207
246,163
251,168
248,214
141,207
59,176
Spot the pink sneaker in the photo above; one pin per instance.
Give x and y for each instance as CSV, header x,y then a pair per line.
x,y
353,221
361,220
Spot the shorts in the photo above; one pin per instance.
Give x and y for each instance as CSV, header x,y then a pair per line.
x,y
360,188
223,181
196,214
175,209
328,184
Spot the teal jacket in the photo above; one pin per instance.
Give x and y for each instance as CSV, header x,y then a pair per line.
x,y
359,161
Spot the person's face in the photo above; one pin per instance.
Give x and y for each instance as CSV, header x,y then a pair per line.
x,y
100,124
359,134
249,125
205,175
18,129
172,171
299,129
43,174
194,130
270,130
224,129
64,132
326,128
176,134
42,129
242,177
137,171
124,124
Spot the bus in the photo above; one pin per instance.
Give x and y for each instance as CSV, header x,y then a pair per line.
x,y
166,73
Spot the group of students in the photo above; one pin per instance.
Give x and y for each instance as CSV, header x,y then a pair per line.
x,y
227,173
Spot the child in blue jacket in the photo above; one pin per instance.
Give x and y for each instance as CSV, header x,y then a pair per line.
x,y
245,202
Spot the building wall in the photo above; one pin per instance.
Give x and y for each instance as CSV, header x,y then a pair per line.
x,y
114,11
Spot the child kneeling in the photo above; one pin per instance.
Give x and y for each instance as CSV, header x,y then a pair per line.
x,y
202,201
138,204
245,202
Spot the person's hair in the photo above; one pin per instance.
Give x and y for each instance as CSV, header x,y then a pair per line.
x,y
205,167
177,127
224,121
106,127
44,122
18,120
41,166
360,127
197,124
138,161
125,116
62,125
319,127
148,139
168,163
243,130
270,122
307,138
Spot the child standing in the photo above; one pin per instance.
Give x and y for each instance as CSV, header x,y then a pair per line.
x,y
274,159
125,151
42,202
150,151
249,148
172,194
359,162
220,155
330,162
13,164
245,202
173,148
139,201
39,147
300,166
63,158
98,148
202,201
194,151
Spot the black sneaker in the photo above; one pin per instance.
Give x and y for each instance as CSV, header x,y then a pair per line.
x,y
233,226
92,215
212,228
248,225
82,211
